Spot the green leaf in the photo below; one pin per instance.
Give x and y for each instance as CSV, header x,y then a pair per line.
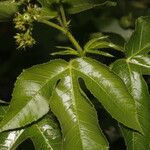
x,y
139,90
77,6
139,43
66,51
142,63
8,140
72,6
77,116
99,43
95,45
3,110
90,44
131,70
112,92
32,90
7,10
99,53
33,94
138,46
47,11
3,102
45,134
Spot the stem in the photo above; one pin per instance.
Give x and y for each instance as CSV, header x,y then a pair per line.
x,y
69,34
63,16
63,28
51,24
75,43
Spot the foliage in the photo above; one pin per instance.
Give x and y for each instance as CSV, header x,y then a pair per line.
x,y
51,102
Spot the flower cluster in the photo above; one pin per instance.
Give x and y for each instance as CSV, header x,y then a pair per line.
x,y
24,24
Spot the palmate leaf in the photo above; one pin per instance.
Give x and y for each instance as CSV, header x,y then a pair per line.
x,y
35,86
45,134
7,10
95,45
131,70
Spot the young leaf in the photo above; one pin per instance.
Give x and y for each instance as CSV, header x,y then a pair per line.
x,y
32,90
95,45
112,92
7,10
66,51
77,116
99,53
139,90
99,43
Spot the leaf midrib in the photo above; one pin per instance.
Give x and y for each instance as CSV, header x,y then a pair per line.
x,y
46,140
75,106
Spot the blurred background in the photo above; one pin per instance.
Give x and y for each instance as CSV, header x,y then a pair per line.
x,y
119,20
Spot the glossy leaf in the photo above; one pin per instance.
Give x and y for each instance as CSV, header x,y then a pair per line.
x,y
33,94
112,92
142,62
45,134
139,90
8,139
77,116
32,90
7,10
131,71
139,45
